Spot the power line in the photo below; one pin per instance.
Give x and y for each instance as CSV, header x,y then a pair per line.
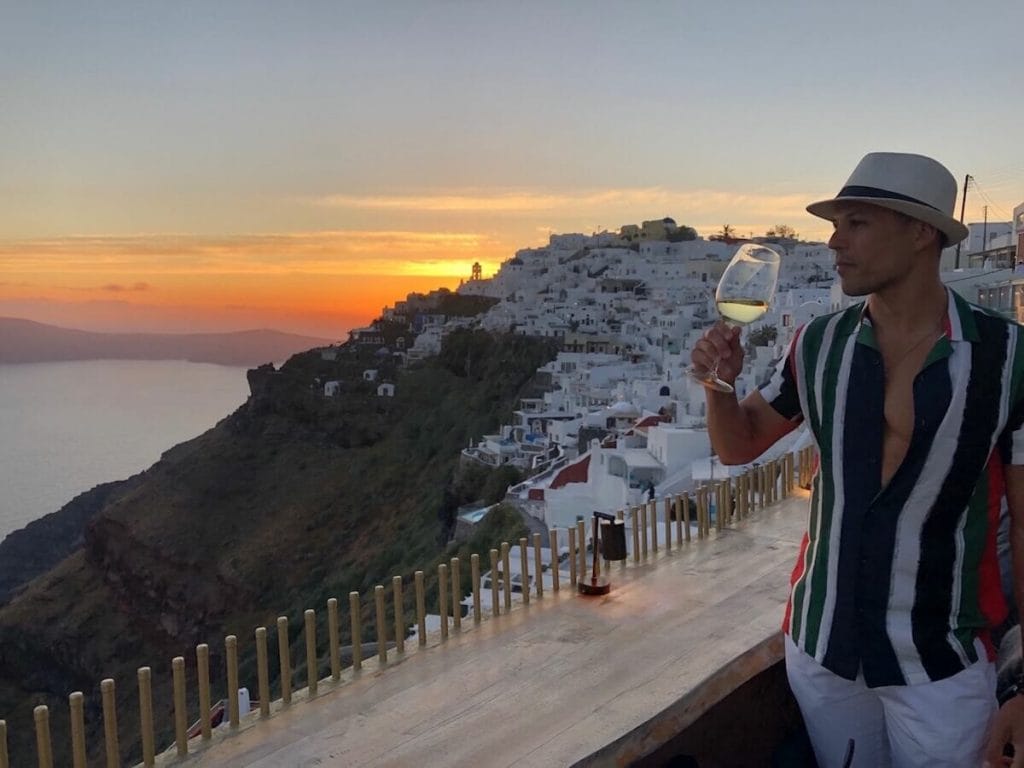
x,y
987,199
975,277
1004,173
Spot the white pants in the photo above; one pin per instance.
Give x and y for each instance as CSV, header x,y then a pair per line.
x,y
944,723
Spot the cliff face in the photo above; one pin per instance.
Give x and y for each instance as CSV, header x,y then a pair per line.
x,y
40,545
292,499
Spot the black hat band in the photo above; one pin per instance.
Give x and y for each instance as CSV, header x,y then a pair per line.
x,y
884,194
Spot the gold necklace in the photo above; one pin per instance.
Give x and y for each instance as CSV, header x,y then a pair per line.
x,y
930,334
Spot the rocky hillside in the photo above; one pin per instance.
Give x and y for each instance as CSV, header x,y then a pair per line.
x,y
292,499
40,545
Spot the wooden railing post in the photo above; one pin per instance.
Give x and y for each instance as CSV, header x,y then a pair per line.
x,y
203,682
111,745
570,533
76,705
506,579
231,651
730,500
495,598
355,620
652,511
634,524
381,626
524,571
180,707
719,492
538,567
333,638
396,595
702,495
421,608
44,748
581,535
442,598
262,673
145,676
456,594
669,501
474,568
312,662
284,657
553,543
643,531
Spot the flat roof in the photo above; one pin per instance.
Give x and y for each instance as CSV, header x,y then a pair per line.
x,y
636,457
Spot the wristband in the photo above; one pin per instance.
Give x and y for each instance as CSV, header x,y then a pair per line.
x,y
1015,689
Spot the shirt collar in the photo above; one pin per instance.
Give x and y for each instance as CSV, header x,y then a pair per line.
x,y
958,324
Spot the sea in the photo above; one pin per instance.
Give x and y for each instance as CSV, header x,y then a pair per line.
x,y
66,427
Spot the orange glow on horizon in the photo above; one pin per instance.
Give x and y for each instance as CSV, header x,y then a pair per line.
x,y
330,312
318,283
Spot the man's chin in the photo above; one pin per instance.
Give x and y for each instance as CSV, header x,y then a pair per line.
x,y
853,290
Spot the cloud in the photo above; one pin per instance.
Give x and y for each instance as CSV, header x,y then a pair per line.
x,y
115,288
331,252
502,202
688,204
706,210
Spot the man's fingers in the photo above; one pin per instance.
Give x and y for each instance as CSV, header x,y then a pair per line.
x,y
997,739
993,758
707,351
715,349
722,342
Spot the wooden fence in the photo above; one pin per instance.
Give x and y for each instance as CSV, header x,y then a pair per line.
x,y
684,518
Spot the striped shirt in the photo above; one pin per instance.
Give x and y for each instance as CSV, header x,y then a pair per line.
x,y
901,581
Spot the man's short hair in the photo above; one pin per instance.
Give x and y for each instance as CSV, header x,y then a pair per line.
x,y
908,219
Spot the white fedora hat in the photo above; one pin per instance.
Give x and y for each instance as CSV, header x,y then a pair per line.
x,y
916,185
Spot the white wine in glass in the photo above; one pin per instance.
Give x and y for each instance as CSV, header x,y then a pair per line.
x,y
741,311
743,295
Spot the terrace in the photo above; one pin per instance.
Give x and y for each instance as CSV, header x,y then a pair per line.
x,y
556,678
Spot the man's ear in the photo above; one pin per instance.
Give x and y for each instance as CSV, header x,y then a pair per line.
x,y
926,236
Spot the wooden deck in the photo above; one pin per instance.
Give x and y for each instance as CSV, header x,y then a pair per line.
x,y
565,680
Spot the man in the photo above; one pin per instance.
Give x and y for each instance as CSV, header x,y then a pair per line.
x,y
916,401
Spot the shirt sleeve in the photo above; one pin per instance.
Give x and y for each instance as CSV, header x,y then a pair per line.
x,y
1011,439
1013,452
781,389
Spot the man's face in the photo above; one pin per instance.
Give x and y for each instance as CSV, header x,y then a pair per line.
x,y
874,248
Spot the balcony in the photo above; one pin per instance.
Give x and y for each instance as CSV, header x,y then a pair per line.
x,y
555,678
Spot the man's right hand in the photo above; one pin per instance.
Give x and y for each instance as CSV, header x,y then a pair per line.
x,y
720,342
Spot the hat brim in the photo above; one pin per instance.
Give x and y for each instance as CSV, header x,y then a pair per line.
x,y
952,229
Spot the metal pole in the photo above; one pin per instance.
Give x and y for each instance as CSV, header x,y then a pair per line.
x,y
984,232
963,205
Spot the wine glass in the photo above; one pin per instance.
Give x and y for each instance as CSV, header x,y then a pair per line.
x,y
746,289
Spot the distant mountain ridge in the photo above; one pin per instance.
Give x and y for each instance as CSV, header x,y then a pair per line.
x,y
26,341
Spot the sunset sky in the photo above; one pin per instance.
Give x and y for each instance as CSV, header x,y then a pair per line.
x,y
196,166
